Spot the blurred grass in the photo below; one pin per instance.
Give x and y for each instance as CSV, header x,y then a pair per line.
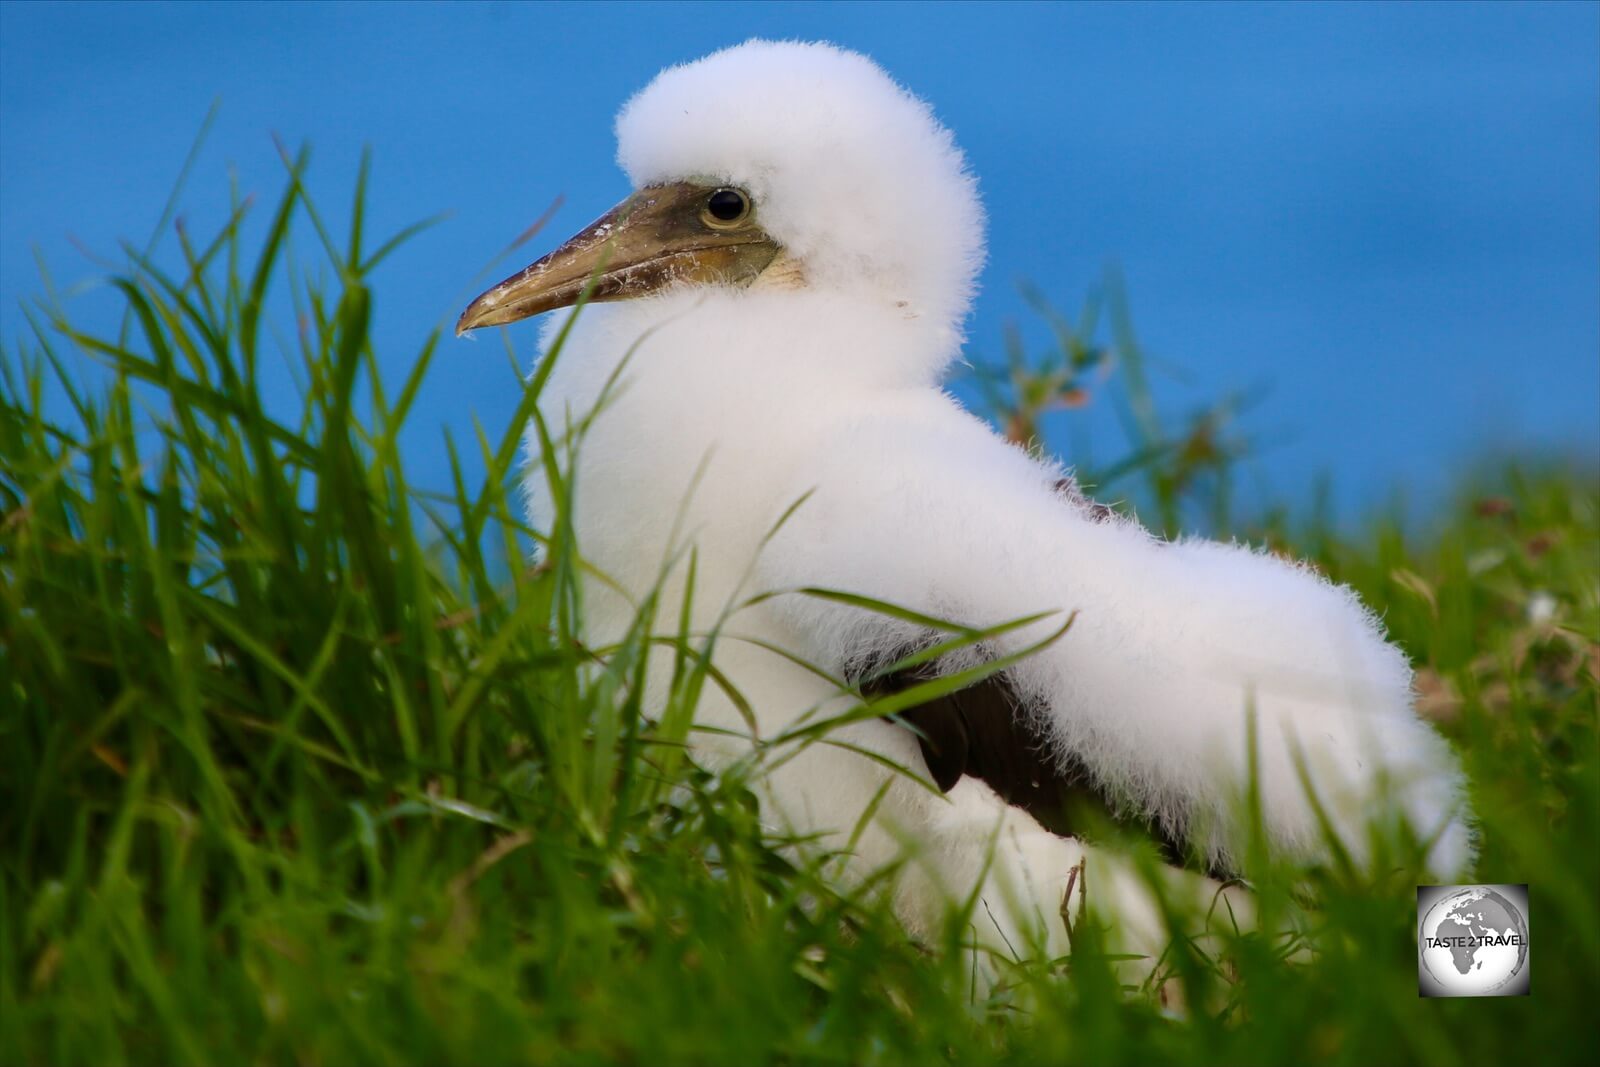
x,y
292,770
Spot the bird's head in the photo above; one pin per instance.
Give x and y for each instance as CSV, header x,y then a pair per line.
x,y
769,159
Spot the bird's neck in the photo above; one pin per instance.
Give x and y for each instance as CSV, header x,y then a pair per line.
x,y
710,403
766,342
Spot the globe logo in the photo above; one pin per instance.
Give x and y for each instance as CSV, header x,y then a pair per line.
x,y
1472,941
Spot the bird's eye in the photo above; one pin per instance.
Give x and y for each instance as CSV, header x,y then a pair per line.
x,y
726,207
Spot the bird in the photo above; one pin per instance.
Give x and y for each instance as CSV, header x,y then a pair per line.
x,y
747,383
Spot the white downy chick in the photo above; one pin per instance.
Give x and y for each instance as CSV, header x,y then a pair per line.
x,y
772,311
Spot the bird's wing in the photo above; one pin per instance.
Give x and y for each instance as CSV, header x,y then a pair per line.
x,y
1177,652
982,731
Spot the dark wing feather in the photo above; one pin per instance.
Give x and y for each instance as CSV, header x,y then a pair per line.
x,y
982,732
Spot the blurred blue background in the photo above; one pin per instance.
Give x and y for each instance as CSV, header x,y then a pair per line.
x,y
1388,217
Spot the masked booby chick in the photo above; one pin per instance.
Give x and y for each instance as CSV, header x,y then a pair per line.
x,y
774,307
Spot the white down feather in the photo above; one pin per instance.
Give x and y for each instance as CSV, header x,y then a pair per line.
x,y
736,403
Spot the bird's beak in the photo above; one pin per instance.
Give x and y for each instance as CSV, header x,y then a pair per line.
x,y
658,236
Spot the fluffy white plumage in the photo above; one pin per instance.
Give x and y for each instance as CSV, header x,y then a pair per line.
x,y
852,174
822,380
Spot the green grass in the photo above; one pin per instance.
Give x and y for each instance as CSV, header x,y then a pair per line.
x,y
289,772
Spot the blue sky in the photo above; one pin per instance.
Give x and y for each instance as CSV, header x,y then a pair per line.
x,y
1386,216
